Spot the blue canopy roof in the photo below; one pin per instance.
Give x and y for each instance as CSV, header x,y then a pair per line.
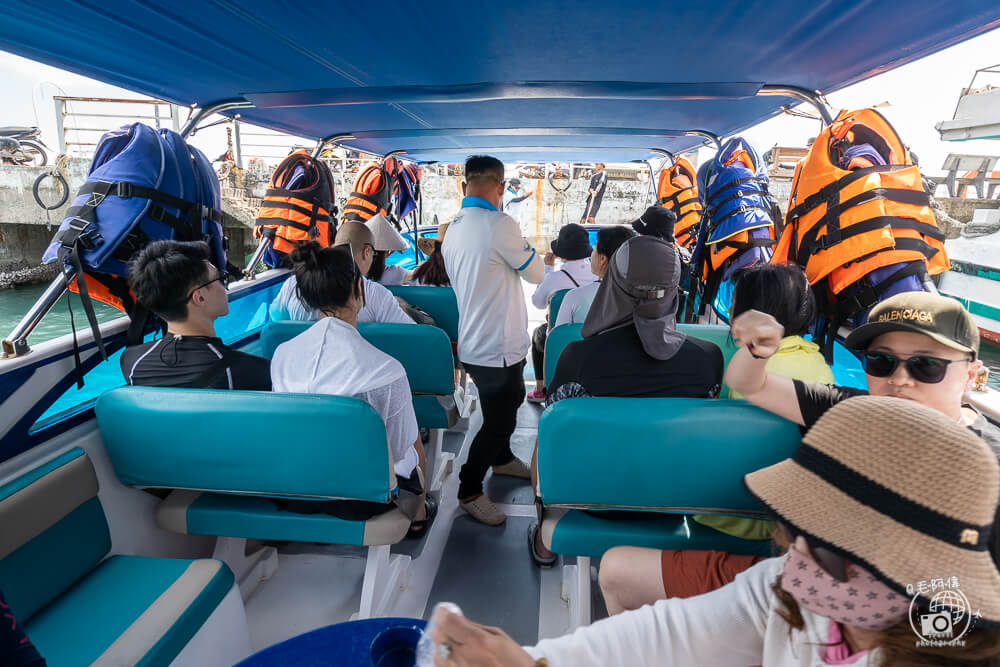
x,y
565,81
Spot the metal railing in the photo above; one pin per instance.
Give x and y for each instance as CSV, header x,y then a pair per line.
x,y
82,136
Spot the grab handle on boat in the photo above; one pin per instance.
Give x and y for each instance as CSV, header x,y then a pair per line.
x,y
16,344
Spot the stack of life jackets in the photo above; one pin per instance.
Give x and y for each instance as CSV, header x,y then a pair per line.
x,y
677,191
738,223
143,185
298,206
373,192
859,221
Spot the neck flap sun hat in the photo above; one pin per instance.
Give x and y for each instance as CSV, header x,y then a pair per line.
x,y
386,236
640,288
426,245
898,489
941,318
572,243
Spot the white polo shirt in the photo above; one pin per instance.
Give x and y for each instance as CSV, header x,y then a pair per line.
x,y
486,258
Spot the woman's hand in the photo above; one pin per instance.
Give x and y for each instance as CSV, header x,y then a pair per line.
x,y
549,259
759,332
474,645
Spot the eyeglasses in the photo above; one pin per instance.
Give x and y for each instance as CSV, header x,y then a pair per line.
x,y
928,370
834,565
222,277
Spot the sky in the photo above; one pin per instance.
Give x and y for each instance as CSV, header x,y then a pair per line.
x,y
919,95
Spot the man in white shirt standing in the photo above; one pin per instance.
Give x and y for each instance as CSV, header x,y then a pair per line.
x,y
379,303
486,258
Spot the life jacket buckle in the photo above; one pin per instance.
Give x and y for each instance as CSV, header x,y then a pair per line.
x,y
123,189
81,231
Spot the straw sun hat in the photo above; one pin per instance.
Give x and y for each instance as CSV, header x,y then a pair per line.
x,y
897,488
426,245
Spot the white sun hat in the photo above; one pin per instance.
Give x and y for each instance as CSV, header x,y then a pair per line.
x,y
386,236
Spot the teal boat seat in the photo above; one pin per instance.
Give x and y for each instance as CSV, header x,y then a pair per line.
x,y
226,515
555,343
80,606
587,533
627,472
668,454
247,443
662,455
554,303
233,457
439,302
564,334
424,352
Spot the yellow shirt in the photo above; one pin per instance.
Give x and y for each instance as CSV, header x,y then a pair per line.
x,y
796,358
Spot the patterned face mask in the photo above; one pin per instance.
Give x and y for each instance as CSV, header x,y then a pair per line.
x,y
862,601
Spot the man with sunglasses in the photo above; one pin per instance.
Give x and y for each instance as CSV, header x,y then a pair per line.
x,y
177,281
917,346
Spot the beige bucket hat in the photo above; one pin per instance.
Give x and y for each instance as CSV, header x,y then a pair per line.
x,y
897,488
386,236
426,245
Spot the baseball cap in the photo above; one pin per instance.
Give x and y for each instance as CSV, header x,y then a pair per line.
x,y
939,317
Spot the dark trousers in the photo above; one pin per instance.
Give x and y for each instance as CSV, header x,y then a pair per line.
x,y
538,350
501,392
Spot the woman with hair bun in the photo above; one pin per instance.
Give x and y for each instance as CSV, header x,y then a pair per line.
x,y
343,363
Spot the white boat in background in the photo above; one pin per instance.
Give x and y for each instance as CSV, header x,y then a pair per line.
x,y
974,278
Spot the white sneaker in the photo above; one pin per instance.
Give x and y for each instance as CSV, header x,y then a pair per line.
x,y
516,468
483,510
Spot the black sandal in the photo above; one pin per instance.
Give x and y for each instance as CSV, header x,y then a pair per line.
x,y
419,528
539,560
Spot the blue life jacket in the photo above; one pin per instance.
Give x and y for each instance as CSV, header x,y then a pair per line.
x,y
737,228
143,185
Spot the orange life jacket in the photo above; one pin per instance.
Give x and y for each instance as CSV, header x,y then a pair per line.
x,y
111,290
677,191
842,224
372,193
304,212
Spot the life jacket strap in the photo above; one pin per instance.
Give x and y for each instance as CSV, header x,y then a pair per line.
x,y
827,191
866,297
812,243
742,208
298,209
674,197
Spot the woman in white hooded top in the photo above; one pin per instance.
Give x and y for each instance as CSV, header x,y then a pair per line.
x,y
887,564
331,357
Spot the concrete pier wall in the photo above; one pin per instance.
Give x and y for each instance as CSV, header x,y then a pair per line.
x,y
25,229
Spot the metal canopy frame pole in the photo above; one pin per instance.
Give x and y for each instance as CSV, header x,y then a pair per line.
x,y
198,114
813,97
705,134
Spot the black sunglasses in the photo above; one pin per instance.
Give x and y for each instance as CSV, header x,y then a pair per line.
x,y
833,564
222,277
928,370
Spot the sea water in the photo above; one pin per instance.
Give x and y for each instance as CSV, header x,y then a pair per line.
x,y
14,303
